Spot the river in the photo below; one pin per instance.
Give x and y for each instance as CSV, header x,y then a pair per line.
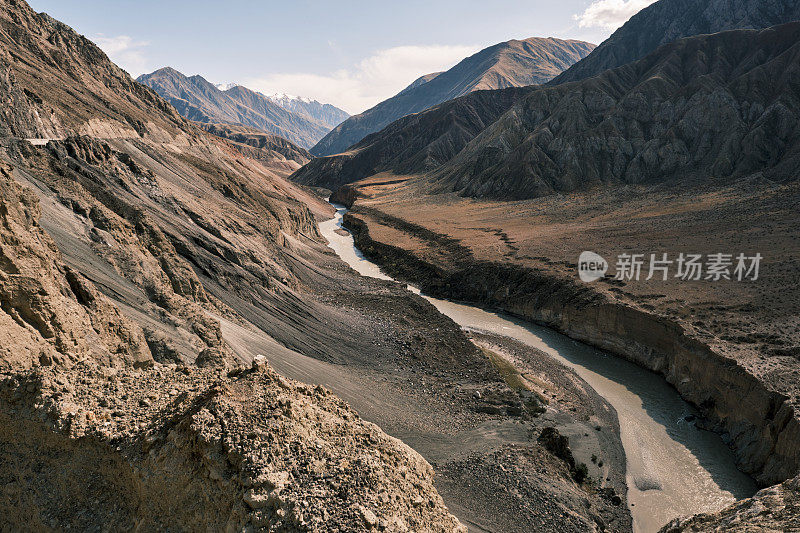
x,y
673,468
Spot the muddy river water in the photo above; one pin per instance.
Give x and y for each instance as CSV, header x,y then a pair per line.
x,y
673,468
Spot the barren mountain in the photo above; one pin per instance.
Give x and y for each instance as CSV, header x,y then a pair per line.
x,y
509,64
200,100
669,20
396,148
715,107
655,119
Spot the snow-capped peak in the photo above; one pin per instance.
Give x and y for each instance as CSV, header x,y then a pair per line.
x,y
283,97
226,86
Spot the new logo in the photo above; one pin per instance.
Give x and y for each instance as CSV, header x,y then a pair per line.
x,y
591,267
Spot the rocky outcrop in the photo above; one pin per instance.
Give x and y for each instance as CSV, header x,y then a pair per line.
x,y
95,447
760,424
714,108
773,509
667,21
510,64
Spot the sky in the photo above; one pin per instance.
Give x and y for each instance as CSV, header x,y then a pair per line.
x,y
352,54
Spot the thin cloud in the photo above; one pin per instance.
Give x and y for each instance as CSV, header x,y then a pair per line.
x,y
125,51
371,80
610,14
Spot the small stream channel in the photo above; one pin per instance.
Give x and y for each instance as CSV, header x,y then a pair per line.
x,y
673,468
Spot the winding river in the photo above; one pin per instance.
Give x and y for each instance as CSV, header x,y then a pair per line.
x,y
673,468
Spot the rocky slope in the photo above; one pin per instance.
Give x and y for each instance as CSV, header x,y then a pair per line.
x,y
716,108
328,115
201,101
53,315
509,64
669,20
121,405
93,447
88,442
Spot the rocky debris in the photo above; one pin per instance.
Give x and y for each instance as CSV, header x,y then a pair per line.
x,y
510,64
533,492
178,447
772,509
666,21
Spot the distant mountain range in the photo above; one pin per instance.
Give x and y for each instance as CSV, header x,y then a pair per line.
x,y
509,64
299,121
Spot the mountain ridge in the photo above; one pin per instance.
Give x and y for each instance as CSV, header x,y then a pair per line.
x,y
395,149
666,21
508,64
